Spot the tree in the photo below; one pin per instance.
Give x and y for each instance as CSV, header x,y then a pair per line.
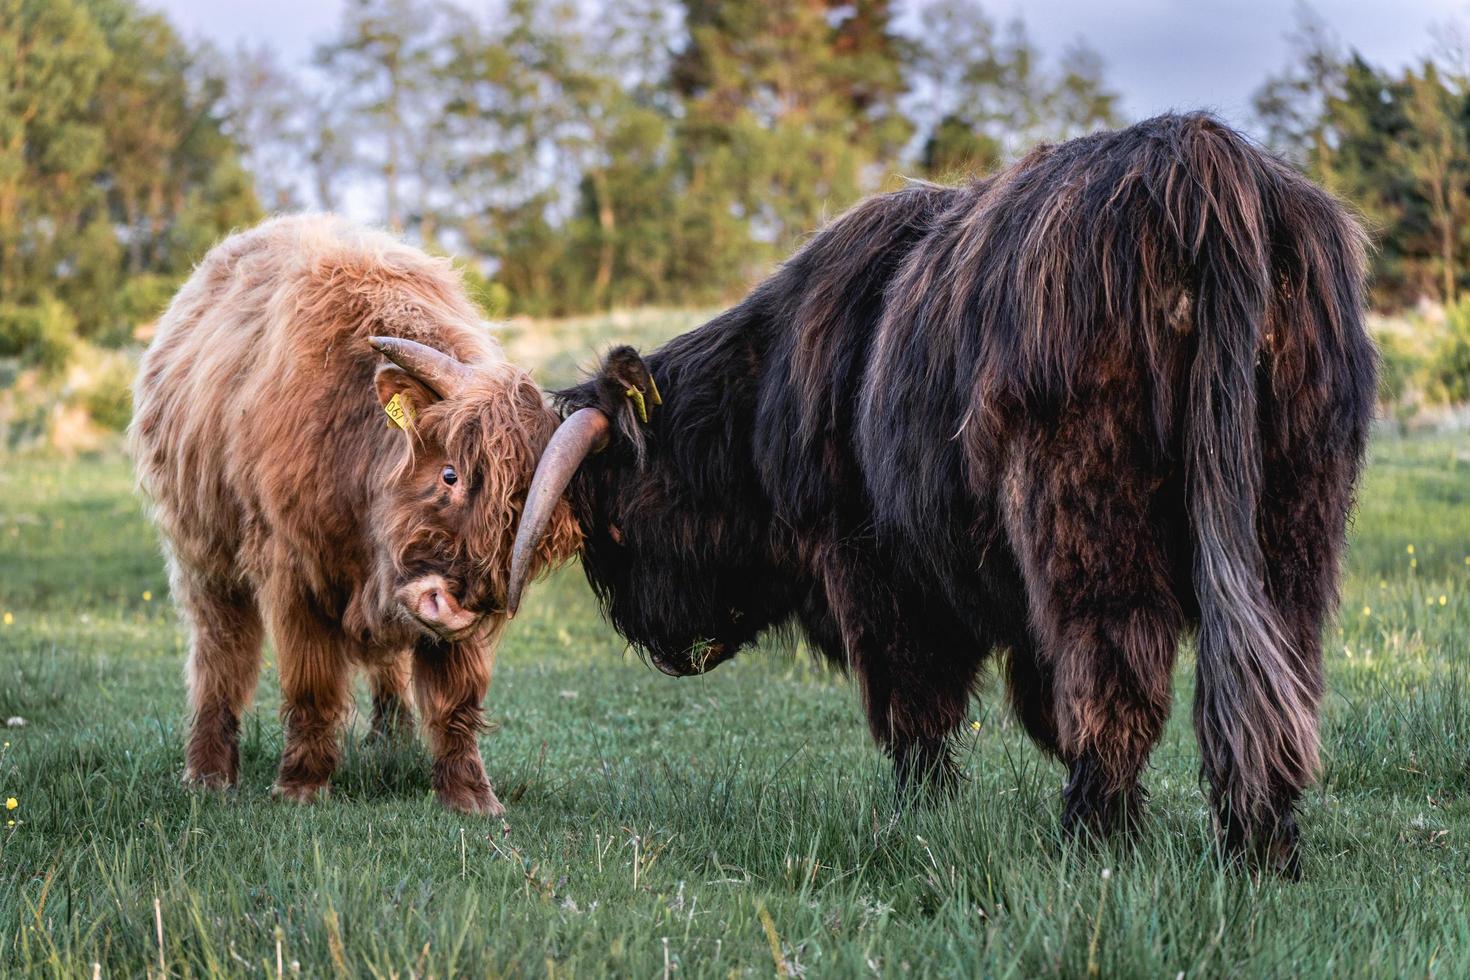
x,y
52,54
789,113
982,97
1291,105
271,119
1398,147
113,161
1436,159
385,62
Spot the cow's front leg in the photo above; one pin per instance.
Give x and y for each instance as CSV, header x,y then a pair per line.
x,y
392,719
315,670
450,681
916,664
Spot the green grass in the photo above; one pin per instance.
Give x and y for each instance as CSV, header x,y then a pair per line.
x,y
696,825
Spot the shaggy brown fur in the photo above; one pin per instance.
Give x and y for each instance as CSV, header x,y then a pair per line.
x,y
1062,414
289,506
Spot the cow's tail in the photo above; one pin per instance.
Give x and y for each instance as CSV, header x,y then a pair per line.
x,y
1255,706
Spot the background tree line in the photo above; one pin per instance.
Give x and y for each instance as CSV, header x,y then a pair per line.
x,y
630,152
584,155
581,155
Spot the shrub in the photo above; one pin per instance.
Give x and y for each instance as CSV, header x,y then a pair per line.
x,y
39,333
493,297
1399,367
108,399
142,299
1449,365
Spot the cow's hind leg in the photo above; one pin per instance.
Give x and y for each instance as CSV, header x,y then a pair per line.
x,y
1081,520
224,662
316,665
392,719
1031,688
1113,694
450,681
1301,521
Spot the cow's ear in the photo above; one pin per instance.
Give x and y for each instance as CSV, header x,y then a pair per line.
x,y
412,394
627,385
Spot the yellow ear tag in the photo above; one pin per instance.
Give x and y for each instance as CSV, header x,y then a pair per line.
x,y
399,412
637,395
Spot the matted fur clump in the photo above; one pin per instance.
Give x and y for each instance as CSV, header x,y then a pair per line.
x,y
290,505
1056,418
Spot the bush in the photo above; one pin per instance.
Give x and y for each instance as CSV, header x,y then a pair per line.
x,y
1449,365
142,299
39,333
493,297
1399,368
109,398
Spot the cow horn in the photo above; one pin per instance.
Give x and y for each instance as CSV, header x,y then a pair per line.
x,y
583,432
445,375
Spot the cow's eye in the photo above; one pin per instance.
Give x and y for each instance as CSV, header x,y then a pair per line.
x,y
449,476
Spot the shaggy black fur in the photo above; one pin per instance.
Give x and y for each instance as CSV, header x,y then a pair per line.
x,y
1064,413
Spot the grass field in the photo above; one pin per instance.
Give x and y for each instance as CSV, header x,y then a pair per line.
x,y
734,823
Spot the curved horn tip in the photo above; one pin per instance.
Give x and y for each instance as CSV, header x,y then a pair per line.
x,y
583,432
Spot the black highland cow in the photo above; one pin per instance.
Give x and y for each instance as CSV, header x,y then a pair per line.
x,y
1065,413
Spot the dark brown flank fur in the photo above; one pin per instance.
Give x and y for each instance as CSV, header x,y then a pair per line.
x,y
1120,390
288,506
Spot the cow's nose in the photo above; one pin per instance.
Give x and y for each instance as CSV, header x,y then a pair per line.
x,y
433,607
431,602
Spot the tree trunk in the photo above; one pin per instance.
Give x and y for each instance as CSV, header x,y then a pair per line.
x,y
607,227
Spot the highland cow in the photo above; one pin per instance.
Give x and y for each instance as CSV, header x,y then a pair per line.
x,y
1065,413
291,504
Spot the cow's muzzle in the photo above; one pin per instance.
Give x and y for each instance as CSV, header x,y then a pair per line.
x,y
431,603
702,658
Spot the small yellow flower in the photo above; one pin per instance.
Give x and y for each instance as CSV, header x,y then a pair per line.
x,y
1411,549
1467,559
974,726
1383,584
147,596
10,823
1367,610
1413,563
11,803
9,619
1443,599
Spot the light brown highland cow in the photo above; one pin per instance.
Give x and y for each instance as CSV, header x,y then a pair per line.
x,y
290,503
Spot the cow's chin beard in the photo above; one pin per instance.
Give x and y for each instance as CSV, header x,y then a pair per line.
x,y
436,635
699,660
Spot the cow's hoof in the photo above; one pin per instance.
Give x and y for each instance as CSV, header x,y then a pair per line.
x,y
1280,852
298,792
208,780
477,800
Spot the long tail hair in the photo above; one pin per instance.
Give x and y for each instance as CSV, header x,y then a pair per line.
x,y
1255,706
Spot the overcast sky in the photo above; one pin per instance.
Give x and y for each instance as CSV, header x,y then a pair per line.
x,y
1158,54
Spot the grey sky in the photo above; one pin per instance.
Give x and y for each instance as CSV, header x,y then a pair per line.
x,y
1159,54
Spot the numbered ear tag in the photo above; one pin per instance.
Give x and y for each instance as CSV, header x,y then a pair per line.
x,y
399,413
